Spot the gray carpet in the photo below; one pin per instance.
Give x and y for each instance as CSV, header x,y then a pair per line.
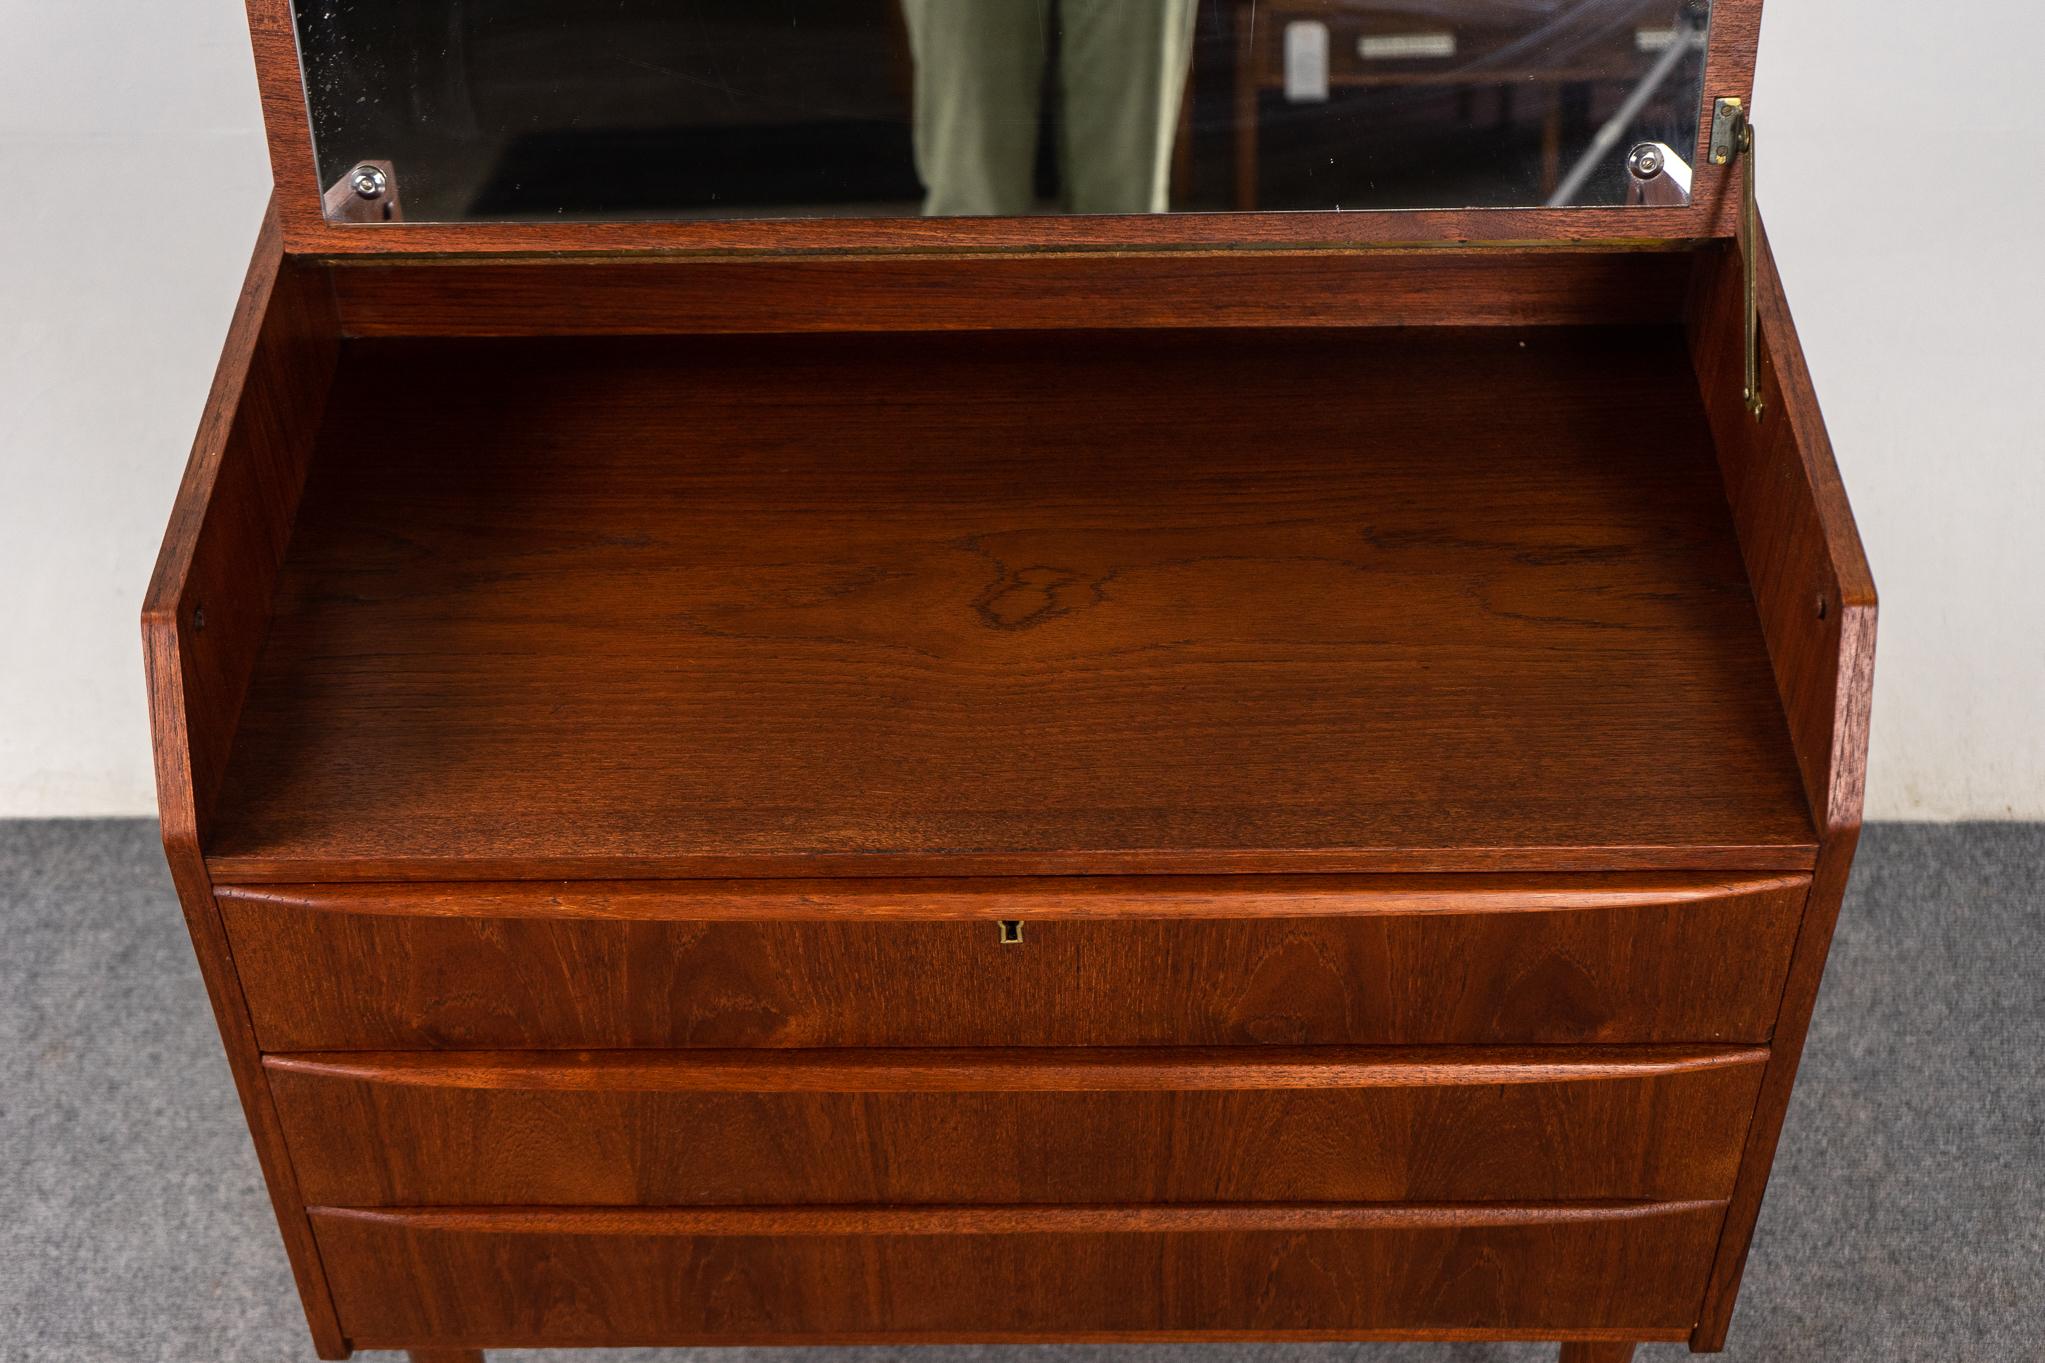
x,y
1906,1220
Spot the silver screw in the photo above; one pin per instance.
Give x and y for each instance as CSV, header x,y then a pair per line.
x,y
368,182
1645,161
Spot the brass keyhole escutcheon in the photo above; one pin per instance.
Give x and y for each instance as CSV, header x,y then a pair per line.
x,y
1011,932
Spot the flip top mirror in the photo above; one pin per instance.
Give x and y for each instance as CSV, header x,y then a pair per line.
x,y
656,111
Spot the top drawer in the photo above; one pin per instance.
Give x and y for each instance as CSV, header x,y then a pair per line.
x,y
1112,961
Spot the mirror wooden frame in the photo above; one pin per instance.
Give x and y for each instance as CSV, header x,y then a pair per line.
x,y
1712,212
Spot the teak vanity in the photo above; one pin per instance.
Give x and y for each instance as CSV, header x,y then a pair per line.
x,y
1197,777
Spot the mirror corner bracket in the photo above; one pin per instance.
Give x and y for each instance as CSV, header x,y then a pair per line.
x,y
367,193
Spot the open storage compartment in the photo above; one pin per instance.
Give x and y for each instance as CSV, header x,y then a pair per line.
x,y
1251,776
1046,603
977,600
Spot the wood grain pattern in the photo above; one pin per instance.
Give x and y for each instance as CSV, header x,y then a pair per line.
x,y
209,597
1036,898
1810,574
485,1278
1014,605
1558,286
531,968
910,1127
202,622
1818,610
1729,70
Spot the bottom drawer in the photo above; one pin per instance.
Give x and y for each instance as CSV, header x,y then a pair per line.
x,y
484,1278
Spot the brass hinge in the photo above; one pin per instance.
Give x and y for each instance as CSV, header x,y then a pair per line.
x,y
1732,135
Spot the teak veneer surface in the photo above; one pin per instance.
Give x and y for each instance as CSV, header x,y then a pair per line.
x,y
1386,600
934,1127
565,1277
1817,601
1106,961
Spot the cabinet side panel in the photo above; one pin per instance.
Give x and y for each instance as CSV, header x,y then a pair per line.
x,y
202,624
1811,582
1817,605
234,512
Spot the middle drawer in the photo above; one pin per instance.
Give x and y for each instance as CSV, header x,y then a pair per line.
x,y
1010,1127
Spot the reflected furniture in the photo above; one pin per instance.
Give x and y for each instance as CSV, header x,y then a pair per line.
x,y
1459,47
1278,777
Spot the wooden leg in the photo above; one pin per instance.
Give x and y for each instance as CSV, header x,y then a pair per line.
x,y
445,1355
1597,1353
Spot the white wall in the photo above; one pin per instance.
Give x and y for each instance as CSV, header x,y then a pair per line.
x,y
132,179
1898,174
1901,153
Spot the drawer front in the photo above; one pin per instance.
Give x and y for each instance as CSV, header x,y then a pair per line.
x,y
766,1128
1587,960
595,1278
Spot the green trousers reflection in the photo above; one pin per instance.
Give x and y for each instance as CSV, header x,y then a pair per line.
x,y
979,84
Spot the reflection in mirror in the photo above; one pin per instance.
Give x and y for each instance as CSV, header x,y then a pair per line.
x,y
521,110
984,76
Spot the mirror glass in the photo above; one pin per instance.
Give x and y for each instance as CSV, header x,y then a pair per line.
x,y
549,110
